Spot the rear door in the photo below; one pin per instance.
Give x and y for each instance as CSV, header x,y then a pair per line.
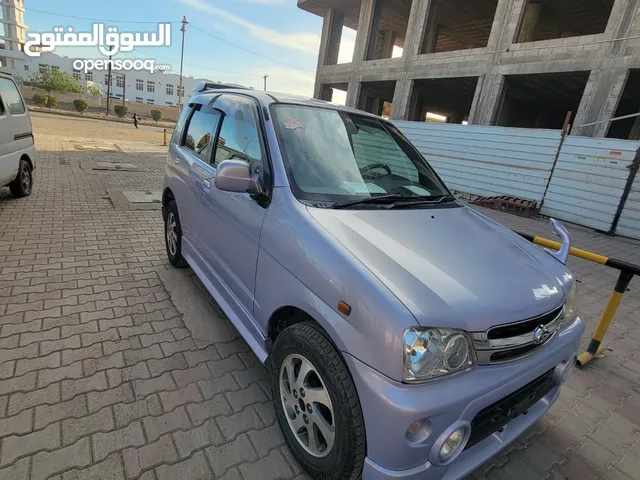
x,y
15,129
197,151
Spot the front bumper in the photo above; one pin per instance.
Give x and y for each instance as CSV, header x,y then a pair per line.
x,y
390,408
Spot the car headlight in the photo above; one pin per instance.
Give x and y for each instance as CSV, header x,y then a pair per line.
x,y
571,304
430,353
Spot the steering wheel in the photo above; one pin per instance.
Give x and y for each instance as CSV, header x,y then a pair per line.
x,y
373,166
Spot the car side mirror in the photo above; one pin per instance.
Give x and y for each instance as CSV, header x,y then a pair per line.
x,y
236,176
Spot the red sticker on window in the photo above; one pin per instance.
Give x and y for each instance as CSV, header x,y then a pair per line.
x,y
293,124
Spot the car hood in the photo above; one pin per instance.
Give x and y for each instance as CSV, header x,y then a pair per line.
x,y
451,267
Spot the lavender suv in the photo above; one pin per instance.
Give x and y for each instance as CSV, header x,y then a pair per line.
x,y
407,335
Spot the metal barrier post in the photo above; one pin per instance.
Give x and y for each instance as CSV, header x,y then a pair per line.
x,y
164,142
627,272
595,347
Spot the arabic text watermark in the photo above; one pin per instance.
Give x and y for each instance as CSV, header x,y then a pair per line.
x,y
108,43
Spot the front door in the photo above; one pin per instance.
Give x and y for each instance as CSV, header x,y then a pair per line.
x,y
231,232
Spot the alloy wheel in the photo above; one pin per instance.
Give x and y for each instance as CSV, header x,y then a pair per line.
x,y
172,234
307,405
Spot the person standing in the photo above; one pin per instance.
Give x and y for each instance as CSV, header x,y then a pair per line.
x,y
135,120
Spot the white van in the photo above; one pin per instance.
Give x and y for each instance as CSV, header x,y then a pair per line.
x,y
17,152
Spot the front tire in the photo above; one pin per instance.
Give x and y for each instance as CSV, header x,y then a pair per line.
x,y
317,404
23,183
173,236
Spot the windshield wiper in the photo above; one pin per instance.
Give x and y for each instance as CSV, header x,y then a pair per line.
x,y
393,201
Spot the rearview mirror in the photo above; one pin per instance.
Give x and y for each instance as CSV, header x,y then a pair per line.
x,y
236,176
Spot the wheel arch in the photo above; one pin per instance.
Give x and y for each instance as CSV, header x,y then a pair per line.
x,y
167,196
27,159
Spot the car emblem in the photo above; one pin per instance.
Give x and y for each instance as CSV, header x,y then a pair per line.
x,y
540,334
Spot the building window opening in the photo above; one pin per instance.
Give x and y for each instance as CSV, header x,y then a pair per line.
x,y
458,25
549,19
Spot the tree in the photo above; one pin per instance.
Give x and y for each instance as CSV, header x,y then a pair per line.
x,y
55,81
157,115
40,100
81,105
52,101
94,90
121,110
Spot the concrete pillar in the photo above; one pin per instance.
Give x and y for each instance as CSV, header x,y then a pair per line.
x,y
431,38
367,30
353,94
384,45
331,37
599,101
488,99
416,28
530,19
323,92
506,23
402,97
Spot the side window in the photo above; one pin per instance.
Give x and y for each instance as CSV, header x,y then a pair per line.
x,y
200,133
10,97
239,138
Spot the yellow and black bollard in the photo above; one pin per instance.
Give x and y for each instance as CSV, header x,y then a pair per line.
x,y
595,348
627,272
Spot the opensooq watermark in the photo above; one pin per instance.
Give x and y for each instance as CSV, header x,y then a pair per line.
x,y
109,44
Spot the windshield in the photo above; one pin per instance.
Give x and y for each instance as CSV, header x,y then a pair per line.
x,y
333,156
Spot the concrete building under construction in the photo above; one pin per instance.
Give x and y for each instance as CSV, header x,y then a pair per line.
x,y
519,63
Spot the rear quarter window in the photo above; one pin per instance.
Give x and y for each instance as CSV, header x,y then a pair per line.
x,y
10,98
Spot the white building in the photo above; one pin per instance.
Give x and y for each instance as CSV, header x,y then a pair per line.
x,y
12,34
141,86
158,88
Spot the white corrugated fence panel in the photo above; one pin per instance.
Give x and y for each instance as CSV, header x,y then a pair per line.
x,y
629,224
487,161
588,181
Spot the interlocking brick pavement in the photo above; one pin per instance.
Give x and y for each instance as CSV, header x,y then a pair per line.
x,y
100,378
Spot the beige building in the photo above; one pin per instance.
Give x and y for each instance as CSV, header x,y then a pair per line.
x,y
12,33
523,63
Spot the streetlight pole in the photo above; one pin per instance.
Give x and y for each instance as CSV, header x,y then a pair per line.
x,y
183,30
265,82
109,87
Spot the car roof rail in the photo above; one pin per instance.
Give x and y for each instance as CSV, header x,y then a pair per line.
x,y
204,86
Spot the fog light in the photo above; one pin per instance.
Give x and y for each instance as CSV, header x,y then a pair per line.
x,y
418,431
563,371
452,444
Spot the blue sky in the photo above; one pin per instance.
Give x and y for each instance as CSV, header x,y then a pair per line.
x,y
277,29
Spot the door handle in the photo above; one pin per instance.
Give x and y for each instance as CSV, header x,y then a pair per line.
x,y
206,183
176,160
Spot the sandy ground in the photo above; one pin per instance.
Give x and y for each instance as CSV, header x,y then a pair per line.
x,y
60,125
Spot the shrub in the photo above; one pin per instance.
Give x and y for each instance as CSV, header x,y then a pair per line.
x,y
52,102
157,115
81,105
121,110
40,99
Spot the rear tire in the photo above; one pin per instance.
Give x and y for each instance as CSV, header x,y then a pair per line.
x,y
305,366
22,186
173,236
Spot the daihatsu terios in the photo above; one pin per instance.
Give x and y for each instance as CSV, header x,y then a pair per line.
x,y
407,335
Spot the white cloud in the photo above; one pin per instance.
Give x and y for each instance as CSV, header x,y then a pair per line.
x,y
302,42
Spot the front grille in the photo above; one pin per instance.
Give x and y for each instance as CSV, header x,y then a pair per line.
x,y
509,342
517,329
512,353
496,416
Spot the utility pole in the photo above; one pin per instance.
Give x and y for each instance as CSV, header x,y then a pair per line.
x,y
183,30
124,87
109,87
265,82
